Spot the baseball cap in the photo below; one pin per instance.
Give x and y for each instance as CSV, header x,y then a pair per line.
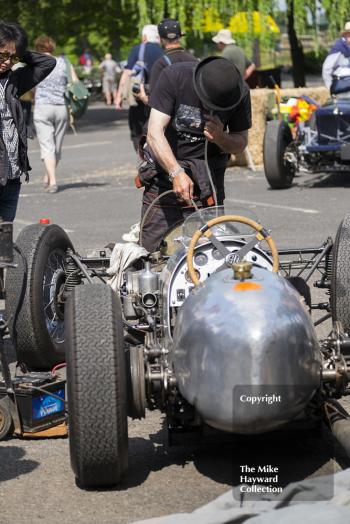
x,y
347,28
170,29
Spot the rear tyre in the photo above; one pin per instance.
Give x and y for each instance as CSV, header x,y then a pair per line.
x,y
6,423
38,329
96,376
340,283
279,172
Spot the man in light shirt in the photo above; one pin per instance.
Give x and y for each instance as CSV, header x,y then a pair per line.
x,y
336,67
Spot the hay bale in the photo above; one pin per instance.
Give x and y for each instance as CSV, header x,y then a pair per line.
x,y
259,98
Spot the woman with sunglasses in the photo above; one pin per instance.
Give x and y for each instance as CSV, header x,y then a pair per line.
x,y
13,134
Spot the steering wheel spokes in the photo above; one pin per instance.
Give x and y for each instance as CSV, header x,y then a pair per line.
x,y
230,257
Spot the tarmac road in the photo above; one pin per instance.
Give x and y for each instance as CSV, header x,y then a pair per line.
x,y
97,202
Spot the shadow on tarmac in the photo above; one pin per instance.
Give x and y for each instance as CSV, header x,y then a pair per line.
x,y
98,116
325,180
13,463
296,455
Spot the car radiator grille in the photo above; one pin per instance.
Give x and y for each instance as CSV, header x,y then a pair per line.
x,y
334,126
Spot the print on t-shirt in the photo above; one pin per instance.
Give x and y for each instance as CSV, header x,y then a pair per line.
x,y
189,123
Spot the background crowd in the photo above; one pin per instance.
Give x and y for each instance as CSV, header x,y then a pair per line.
x,y
126,84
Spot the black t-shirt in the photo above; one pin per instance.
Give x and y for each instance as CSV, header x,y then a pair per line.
x,y
151,55
174,95
171,56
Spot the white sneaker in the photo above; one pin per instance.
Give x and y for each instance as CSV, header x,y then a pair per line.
x,y
133,235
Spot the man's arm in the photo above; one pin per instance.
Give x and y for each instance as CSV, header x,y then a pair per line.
x,y
182,183
38,66
123,79
231,143
249,71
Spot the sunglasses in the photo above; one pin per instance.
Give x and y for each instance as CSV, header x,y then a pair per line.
x,y
7,56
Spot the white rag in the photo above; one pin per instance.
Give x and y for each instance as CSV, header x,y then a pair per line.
x,y
123,255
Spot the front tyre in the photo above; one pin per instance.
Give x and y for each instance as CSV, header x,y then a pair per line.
x,y
340,282
96,377
278,171
38,328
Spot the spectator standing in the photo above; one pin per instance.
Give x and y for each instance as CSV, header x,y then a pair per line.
x,y
85,60
232,52
336,67
109,68
13,134
170,34
50,112
151,50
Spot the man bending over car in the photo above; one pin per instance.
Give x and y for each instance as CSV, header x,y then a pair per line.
x,y
191,104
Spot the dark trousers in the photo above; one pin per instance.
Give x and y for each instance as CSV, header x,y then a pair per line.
x,y
9,195
138,116
165,214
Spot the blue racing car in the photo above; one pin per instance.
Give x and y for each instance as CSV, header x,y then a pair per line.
x,y
321,144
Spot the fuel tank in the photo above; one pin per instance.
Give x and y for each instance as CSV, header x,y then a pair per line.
x,y
245,354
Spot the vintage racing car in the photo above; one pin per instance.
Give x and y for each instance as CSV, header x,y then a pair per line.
x,y
321,144
200,329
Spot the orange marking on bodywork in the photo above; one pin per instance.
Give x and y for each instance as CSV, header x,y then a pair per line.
x,y
247,286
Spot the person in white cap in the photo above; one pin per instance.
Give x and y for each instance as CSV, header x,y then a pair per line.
x,y
336,67
230,50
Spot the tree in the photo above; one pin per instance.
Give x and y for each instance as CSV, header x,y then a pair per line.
x,y
190,15
115,24
75,24
296,48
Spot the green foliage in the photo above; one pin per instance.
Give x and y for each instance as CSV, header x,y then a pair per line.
x,y
313,60
114,25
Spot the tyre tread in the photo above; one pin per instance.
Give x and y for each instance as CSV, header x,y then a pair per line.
x,y
275,171
340,285
32,347
96,385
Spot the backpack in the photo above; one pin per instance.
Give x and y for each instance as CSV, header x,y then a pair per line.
x,y
137,77
76,95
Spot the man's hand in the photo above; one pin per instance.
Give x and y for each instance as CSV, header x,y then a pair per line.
x,y
213,128
183,186
142,95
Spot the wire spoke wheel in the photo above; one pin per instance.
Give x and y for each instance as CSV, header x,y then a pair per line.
x,y
37,319
53,286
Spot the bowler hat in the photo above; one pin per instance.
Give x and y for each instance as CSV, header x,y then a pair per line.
x,y
218,83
